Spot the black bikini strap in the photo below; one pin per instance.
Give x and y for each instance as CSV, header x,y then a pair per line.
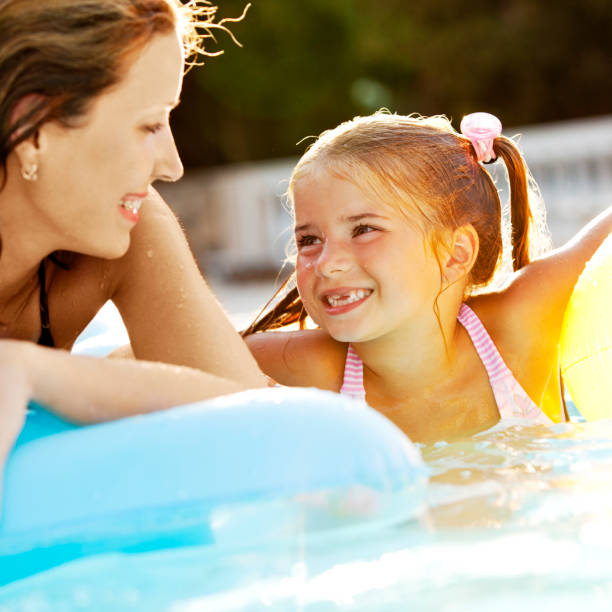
x,y
46,338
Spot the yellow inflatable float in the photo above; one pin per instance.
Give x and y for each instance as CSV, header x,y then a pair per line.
x,y
586,338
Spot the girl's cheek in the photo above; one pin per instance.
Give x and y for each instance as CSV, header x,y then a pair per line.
x,y
303,275
304,265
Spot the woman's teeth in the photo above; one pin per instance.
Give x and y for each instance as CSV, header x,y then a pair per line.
x,y
131,205
347,298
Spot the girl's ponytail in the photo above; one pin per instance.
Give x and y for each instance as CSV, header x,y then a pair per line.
x,y
520,212
289,310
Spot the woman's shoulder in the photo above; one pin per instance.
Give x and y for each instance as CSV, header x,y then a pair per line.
x,y
77,287
79,284
303,358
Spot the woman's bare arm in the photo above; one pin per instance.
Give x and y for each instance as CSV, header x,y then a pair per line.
x,y
169,311
85,389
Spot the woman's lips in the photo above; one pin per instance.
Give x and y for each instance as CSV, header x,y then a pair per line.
x,y
130,205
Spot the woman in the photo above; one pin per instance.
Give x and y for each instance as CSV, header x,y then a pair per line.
x,y
86,90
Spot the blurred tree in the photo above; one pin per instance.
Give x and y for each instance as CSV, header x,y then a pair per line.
x,y
306,65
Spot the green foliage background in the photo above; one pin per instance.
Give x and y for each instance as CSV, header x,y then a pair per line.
x,y
306,65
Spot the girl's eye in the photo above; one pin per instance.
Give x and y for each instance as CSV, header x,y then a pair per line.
x,y
305,241
363,229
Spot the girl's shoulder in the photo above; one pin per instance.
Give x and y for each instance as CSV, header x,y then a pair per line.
x,y
305,358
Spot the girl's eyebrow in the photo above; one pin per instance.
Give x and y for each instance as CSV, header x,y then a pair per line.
x,y
350,219
366,215
301,228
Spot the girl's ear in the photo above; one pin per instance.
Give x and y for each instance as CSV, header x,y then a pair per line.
x,y
461,254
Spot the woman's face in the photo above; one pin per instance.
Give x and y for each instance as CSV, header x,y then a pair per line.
x,y
93,178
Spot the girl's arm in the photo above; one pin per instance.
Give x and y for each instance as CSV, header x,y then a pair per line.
x,y
85,389
525,319
169,311
542,289
306,358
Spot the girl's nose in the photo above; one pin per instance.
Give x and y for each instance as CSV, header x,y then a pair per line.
x,y
168,166
334,259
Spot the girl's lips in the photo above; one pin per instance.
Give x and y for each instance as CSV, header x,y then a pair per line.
x,y
342,300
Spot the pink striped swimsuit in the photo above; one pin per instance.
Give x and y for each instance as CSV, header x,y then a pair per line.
x,y
512,400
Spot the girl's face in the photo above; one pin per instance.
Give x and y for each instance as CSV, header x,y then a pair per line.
x,y
363,268
93,178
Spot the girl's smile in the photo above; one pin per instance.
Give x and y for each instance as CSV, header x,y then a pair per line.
x,y
343,299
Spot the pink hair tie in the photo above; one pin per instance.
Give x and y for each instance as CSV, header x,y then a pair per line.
x,y
482,129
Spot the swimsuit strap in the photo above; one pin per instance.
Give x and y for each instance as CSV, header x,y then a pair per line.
x,y
352,385
487,351
45,338
511,399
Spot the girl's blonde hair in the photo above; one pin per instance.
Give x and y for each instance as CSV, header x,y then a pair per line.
x,y
423,167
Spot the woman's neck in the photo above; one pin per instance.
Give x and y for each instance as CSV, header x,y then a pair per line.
x,y
25,242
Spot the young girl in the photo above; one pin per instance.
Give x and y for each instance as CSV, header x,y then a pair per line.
x,y
398,227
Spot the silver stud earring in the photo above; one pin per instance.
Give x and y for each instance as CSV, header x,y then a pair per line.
x,y
31,174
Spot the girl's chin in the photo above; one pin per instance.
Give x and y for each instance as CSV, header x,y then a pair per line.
x,y
345,335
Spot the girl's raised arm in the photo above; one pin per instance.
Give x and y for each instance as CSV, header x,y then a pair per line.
x,y
544,287
526,318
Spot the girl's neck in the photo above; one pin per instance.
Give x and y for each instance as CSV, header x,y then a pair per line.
x,y
410,359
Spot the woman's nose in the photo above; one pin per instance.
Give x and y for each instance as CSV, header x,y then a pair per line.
x,y
168,166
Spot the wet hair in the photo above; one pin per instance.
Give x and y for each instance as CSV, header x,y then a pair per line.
x,y
60,54
423,167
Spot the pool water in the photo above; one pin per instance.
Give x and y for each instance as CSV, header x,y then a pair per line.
x,y
516,518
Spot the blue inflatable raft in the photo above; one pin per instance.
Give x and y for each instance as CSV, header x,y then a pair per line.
x,y
232,472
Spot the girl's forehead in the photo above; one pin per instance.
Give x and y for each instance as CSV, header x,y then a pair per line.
x,y
333,191
345,205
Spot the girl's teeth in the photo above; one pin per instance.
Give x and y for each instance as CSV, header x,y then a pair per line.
x,y
343,300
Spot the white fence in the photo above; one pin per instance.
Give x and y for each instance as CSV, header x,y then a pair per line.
x,y
237,225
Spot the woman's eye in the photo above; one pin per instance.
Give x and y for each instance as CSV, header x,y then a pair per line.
x,y
304,241
363,229
153,129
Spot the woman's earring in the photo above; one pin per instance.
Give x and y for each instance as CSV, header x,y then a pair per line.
x,y
31,174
